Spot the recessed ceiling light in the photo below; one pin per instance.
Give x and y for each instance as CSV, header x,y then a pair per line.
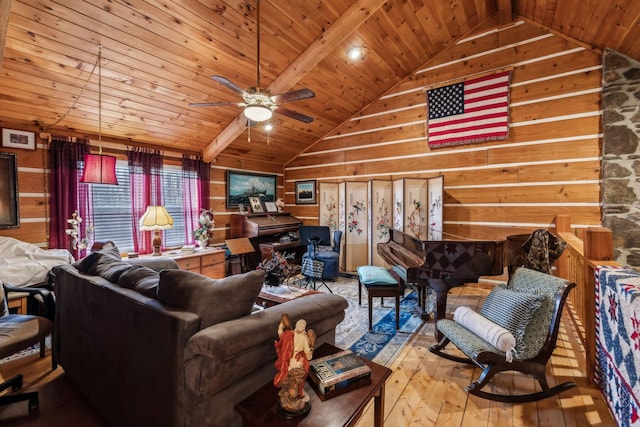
x,y
355,52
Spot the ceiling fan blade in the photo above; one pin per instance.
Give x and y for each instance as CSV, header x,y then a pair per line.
x,y
216,104
228,83
294,115
294,95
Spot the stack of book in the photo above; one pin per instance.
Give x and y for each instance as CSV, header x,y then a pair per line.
x,y
337,373
187,249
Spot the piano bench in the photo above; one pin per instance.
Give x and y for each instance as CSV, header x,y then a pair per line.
x,y
380,282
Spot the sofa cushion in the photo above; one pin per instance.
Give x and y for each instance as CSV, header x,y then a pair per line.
x,y
141,279
111,269
89,263
512,310
213,300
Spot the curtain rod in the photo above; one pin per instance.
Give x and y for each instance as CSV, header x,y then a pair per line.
x,y
116,146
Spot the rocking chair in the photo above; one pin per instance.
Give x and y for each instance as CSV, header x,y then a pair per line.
x,y
537,337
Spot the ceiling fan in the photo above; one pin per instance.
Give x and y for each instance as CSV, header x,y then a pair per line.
x,y
259,104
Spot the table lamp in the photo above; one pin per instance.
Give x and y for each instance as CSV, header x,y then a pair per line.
x,y
156,218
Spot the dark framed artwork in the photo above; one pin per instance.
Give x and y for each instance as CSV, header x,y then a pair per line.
x,y
9,216
242,185
12,138
306,192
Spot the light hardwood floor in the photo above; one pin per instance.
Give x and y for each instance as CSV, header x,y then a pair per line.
x,y
424,389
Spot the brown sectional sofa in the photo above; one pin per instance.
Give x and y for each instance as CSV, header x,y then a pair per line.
x,y
169,347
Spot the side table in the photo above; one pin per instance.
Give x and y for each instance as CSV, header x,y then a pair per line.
x,y
260,409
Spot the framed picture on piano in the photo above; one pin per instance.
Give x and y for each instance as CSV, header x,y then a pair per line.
x,y
256,204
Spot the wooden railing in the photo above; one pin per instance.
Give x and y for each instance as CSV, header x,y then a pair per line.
x,y
577,264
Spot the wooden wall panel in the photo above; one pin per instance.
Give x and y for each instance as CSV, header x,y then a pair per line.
x,y
561,150
548,165
579,171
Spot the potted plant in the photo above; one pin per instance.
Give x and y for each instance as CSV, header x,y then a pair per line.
x,y
278,268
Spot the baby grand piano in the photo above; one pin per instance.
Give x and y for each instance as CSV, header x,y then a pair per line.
x,y
442,264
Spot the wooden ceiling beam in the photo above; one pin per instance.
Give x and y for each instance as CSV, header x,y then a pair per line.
x,y
328,41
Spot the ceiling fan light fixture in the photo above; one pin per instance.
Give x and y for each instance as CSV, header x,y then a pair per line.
x,y
258,113
354,53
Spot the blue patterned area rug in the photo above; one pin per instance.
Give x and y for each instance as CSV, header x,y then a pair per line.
x,y
384,343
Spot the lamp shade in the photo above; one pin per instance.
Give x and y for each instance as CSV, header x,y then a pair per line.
x,y
258,113
156,218
99,169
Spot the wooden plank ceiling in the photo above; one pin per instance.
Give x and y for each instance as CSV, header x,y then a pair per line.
x,y
158,56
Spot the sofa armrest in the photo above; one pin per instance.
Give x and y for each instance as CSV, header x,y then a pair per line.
x,y
221,354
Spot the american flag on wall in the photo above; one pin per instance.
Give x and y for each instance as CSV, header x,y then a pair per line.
x,y
470,111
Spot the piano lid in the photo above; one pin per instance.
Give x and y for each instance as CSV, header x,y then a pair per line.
x,y
265,224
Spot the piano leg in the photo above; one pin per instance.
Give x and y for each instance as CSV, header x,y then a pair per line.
x,y
423,289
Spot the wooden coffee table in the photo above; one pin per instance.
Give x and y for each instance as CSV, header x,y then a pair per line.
x,y
266,299
260,409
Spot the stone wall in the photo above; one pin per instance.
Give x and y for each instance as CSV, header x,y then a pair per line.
x,y
621,155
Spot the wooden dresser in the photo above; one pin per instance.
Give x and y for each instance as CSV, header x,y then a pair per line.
x,y
209,262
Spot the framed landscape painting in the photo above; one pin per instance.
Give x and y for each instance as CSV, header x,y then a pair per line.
x,y
306,192
9,217
242,185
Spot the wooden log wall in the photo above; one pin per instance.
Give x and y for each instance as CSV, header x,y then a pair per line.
x,y
33,203
549,165
219,187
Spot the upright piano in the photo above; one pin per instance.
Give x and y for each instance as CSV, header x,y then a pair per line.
x,y
433,263
265,229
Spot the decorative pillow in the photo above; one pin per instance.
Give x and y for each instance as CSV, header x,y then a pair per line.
x,y
512,310
374,275
491,332
4,310
213,300
142,279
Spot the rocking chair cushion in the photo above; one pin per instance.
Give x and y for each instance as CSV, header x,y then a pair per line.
x,y
489,331
512,310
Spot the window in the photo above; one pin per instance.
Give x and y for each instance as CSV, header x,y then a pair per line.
x,y
112,209
172,199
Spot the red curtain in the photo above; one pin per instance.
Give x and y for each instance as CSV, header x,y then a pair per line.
x,y
145,174
196,177
66,194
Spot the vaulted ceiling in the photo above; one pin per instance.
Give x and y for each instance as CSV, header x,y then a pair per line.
x,y
158,56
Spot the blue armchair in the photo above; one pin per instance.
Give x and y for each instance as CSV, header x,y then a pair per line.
x,y
319,247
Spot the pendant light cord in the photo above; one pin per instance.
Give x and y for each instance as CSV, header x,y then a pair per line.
x,y
100,99
84,88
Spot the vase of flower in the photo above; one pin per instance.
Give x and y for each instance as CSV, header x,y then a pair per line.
x,y
204,233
